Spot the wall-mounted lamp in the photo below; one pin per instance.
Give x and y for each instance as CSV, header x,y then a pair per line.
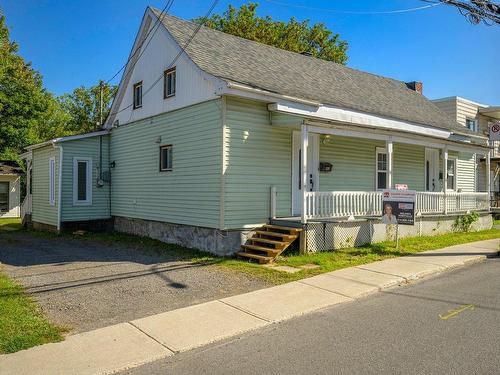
x,y
326,139
158,139
112,164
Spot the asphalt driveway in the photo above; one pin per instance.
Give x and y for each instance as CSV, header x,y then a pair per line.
x,y
85,284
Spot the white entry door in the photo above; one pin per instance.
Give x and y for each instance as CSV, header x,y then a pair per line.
x,y
312,169
432,169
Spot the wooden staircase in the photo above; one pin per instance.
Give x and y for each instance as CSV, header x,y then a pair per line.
x,y
269,242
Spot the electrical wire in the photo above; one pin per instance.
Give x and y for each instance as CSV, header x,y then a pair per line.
x,y
354,11
179,54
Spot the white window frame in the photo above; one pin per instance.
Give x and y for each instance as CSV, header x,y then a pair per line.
x,y
52,181
172,72
475,127
88,200
380,150
454,159
137,99
171,158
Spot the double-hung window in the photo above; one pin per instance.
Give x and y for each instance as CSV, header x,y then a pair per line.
x,y
4,196
165,158
381,168
451,174
138,95
169,78
471,124
82,181
52,181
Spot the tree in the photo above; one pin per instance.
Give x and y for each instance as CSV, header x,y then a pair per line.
x,y
475,10
23,100
293,35
83,106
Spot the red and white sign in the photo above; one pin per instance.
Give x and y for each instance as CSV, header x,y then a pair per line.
x,y
495,131
401,187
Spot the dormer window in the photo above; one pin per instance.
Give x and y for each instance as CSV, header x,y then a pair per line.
x,y
138,95
169,79
471,124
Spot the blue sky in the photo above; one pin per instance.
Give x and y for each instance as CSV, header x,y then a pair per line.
x,y
77,42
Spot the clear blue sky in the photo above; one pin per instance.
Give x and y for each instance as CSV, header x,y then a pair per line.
x,y
77,42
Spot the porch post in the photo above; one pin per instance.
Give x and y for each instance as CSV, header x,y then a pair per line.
x,y
488,177
303,167
445,177
388,146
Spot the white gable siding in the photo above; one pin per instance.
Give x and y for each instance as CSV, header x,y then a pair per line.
x,y
14,196
193,86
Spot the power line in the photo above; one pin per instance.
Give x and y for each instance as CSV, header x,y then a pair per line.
x,y
165,10
353,11
179,54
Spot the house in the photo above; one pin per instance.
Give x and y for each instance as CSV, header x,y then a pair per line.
x,y
10,189
478,118
212,136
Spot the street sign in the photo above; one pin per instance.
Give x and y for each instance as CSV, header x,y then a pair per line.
x,y
495,131
398,207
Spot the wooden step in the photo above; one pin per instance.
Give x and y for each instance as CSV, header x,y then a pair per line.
x,y
284,236
261,258
267,250
277,244
291,230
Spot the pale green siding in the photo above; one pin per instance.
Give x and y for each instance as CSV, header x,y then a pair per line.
x,y
87,148
409,166
466,174
258,157
190,193
353,161
43,211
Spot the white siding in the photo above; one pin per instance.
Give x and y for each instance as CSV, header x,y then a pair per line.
x,y
14,196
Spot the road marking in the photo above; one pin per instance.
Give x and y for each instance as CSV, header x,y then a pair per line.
x,y
455,312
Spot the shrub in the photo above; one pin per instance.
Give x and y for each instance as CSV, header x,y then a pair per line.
x,y
464,223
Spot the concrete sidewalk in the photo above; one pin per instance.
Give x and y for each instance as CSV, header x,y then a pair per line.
x,y
127,345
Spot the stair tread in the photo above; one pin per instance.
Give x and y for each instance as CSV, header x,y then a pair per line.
x,y
276,234
280,227
267,240
261,248
255,256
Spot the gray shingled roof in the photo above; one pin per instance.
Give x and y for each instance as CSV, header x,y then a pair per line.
x,y
269,68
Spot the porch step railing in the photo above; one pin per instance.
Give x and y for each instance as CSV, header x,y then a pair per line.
x,y
338,204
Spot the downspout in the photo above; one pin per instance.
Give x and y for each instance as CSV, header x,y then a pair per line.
x,y
109,173
59,187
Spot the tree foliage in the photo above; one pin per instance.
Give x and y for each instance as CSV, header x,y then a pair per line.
x,y
476,11
293,35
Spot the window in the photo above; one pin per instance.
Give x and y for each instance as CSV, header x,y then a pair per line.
x,y
451,173
166,158
169,83
381,169
82,181
52,181
138,95
4,196
471,124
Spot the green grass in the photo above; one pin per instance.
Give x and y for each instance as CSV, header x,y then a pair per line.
x,y
10,224
496,222
21,323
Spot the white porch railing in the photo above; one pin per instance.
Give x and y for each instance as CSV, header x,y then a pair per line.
x,y
26,206
337,204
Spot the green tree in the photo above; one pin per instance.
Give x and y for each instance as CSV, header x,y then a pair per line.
x,y
83,106
293,35
23,100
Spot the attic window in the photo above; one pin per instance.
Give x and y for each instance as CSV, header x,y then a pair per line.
x,y
169,79
471,124
138,95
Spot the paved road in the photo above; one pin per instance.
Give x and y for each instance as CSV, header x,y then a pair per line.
x,y
84,285
398,331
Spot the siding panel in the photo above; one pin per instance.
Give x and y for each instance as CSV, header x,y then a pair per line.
x,y
43,212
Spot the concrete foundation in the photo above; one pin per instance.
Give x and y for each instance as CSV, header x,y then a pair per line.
x,y
206,239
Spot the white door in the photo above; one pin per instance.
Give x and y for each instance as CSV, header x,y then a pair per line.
x,y
312,169
432,170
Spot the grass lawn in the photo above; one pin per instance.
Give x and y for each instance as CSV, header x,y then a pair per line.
x,y
10,224
21,323
496,222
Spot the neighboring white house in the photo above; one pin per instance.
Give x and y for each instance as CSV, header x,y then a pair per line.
x,y
10,189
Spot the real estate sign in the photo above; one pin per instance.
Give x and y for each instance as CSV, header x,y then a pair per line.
x,y
398,207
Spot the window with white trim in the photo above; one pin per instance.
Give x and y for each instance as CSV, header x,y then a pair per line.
x,y
471,124
169,81
451,174
165,158
82,181
4,196
381,169
52,181
137,95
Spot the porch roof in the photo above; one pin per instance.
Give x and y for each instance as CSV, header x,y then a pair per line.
x,y
237,60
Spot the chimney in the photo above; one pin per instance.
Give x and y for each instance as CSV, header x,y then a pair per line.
x,y
415,86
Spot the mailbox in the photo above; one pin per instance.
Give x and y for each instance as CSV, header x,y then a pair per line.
x,y
325,166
